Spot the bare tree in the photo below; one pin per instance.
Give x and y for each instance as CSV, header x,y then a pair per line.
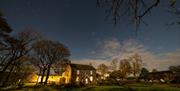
x,y
15,48
48,53
136,64
18,46
60,66
22,68
134,10
102,68
114,63
125,68
4,34
175,11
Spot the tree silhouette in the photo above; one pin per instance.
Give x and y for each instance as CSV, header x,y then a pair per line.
x,y
125,68
114,64
103,69
143,73
14,49
47,53
133,10
4,27
136,63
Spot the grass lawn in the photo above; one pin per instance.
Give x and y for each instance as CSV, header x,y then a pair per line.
x,y
131,87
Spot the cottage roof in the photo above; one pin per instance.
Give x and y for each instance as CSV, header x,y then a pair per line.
x,y
82,67
161,72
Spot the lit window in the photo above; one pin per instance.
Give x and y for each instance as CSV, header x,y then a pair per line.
x,y
91,72
91,78
78,72
86,81
77,79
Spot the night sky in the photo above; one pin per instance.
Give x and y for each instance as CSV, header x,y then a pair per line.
x,y
80,25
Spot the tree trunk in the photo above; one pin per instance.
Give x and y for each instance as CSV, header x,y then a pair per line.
x,y
40,69
42,76
6,66
4,83
47,75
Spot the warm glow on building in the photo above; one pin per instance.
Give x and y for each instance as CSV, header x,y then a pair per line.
x,y
106,75
67,75
91,78
51,79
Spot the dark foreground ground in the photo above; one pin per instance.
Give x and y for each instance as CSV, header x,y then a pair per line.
x,y
129,87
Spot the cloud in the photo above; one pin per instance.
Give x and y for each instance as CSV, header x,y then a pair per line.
x,y
151,60
162,61
112,48
109,48
94,62
130,47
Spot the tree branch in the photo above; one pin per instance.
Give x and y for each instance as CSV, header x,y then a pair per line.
x,y
148,9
